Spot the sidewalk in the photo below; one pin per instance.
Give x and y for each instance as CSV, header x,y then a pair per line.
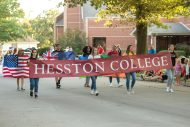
x,y
163,86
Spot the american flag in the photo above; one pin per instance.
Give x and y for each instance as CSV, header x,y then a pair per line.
x,y
50,55
15,66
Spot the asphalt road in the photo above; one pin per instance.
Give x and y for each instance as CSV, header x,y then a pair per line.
x,y
73,106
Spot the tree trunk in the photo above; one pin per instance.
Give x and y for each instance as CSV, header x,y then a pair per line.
x,y
141,36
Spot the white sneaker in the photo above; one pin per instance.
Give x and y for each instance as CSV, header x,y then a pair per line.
x,y
110,85
167,89
171,90
132,91
119,85
92,92
96,93
128,92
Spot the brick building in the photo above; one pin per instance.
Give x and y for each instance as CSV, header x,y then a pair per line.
x,y
84,18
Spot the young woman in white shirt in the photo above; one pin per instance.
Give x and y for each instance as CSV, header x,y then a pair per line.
x,y
94,55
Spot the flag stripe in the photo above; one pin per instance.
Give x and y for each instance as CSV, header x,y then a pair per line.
x,y
16,66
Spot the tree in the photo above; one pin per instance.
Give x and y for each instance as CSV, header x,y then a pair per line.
x,y
41,27
142,12
75,39
10,14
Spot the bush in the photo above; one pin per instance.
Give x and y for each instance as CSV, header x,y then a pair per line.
x,y
75,39
42,50
178,52
184,47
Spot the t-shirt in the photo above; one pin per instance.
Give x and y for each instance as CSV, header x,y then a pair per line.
x,y
113,53
94,57
60,54
120,52
152,51
83,57
104,56
100,50
173,57
178,68
131,53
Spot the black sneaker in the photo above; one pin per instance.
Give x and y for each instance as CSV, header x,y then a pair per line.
x,y
36,95
96,93
58,82
86,85
58,86
31,93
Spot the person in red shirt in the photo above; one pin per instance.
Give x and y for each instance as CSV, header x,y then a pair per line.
x,y
114,53
100,49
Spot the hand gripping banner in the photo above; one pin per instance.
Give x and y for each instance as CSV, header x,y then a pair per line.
x,y
98,67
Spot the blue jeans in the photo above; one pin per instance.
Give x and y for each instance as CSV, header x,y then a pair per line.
x,y
170,74
128,78
118,79
34,84
93,86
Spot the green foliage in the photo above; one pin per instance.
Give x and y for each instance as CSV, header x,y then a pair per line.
x,y
10,26
178,52
141,12
185,48
42,50
75,39
41,27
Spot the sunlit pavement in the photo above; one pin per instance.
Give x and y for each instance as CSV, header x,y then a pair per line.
x,y
73,106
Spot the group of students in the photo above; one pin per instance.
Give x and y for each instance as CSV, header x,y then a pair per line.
x,y
19,62
179,70
182,69
96,53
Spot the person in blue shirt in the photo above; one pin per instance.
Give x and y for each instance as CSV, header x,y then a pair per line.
x,y
87,50
151,50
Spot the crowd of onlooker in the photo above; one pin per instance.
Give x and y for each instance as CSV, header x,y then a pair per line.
x,y
181,71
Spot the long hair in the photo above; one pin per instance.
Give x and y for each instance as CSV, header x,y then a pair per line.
x,y
15,51
20,52
93,51
31,56
170,46
85,50
128,50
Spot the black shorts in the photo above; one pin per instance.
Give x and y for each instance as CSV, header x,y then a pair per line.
x,y
164,77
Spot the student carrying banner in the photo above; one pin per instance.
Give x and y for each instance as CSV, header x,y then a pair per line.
x,y
93,78
22,68
130,51
34,81
114,53
170,72
87,50
59,52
